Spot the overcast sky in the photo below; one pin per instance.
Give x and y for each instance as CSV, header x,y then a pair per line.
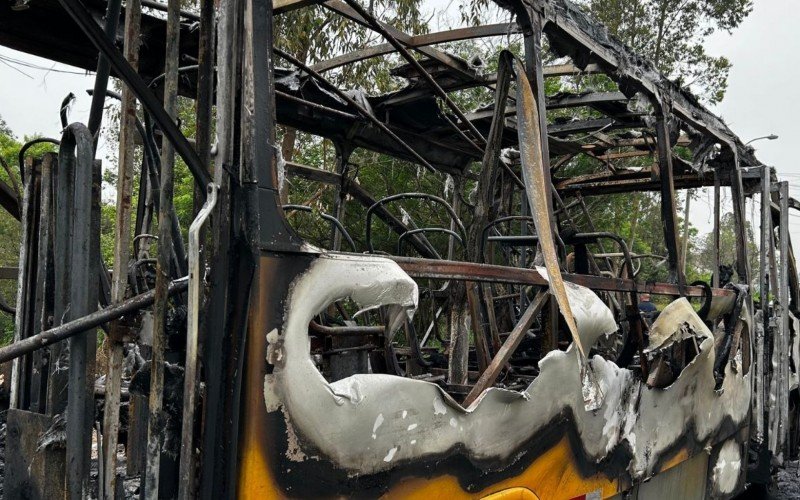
x,y
761,97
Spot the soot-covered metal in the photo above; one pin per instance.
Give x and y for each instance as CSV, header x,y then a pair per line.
x,y
480,336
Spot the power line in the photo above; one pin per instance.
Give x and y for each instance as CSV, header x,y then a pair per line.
x,y
10,61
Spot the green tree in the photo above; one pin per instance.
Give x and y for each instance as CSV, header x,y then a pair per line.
x,y
9,226
673,33
315,33
704,258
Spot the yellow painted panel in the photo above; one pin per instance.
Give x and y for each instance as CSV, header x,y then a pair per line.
x,y
552,476
512,494
255,479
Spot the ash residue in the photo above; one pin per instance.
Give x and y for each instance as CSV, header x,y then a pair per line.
x,y
787,482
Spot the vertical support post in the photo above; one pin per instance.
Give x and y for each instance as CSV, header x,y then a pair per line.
x,y
121,255
773,337
739,219
266,225
459,343
217,316
44,285
763,277
783,391
205,86
669,218
103,70
32,379
19,391
340,195
75,297
155,400
715,233
685,241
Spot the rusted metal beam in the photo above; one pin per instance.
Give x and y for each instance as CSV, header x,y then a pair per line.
x,y
390,37
469,271
9,201
356,13
586,99
622,155
591,126
335,331
608,176
417,41
669,218
205,90
161,305
635,185
490,374
84,323
122,237
113,8
350,101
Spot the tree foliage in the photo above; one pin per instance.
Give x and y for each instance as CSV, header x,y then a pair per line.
x,y
673,33
9,226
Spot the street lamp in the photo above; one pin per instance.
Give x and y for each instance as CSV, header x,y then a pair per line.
x,y
770,137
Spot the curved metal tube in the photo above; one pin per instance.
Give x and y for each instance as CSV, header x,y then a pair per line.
x,y
427,230
192,340
62,112
616,238
183,69
411,333
333,220
407,196
5,307
493,223
24,149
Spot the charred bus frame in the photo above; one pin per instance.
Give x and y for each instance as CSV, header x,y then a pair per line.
x,y
254,434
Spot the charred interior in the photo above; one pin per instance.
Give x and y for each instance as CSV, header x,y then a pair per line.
x,y
477,277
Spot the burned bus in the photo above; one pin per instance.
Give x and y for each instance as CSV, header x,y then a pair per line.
x,y
428,302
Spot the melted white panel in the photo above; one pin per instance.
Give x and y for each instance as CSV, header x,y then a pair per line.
x,y
340,419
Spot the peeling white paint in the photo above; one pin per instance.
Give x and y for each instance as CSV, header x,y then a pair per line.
x,y
389,456
271,398
412,427
725,475
438,406
376,425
